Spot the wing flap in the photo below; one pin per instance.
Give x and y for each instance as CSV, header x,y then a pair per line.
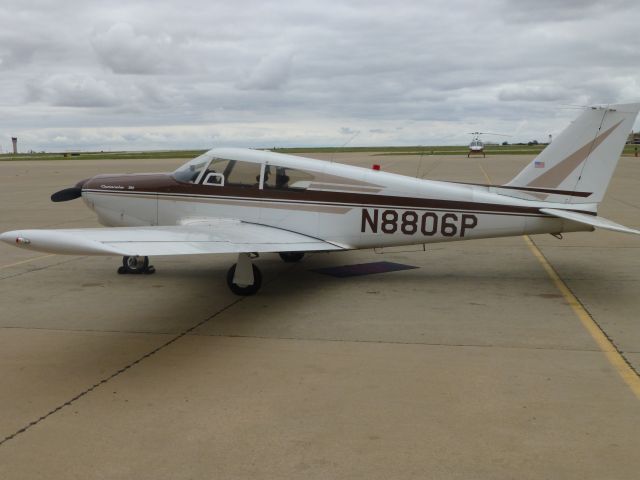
x,y
593,220
193,239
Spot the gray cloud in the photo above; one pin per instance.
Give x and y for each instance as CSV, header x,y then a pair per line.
x,y
124,51
271,72
73,90
532,93
160,75
553,11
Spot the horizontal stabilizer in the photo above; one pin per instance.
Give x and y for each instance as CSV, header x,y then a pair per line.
x,y
593,220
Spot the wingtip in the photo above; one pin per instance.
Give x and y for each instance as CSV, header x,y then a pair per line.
x,y
8,237
16,238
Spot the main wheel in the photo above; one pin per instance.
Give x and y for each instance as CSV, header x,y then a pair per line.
x,y
135,264
291,257
244,289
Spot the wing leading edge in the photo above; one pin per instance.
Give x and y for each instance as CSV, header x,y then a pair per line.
x,y
191,239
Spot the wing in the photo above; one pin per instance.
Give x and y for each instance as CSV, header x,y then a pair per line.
x,y
594,221
226,236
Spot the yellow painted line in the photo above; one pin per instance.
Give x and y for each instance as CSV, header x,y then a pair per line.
x,y
628,375
484,172
608,348
27,261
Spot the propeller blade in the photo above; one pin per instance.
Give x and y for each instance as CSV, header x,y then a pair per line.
x,y
67,194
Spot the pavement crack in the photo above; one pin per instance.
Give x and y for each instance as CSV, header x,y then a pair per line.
x,y
400,342
86,330
37,269
115,374
624,202
598,326
128,366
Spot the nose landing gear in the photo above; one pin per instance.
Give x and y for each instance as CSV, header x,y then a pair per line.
x,y
136,265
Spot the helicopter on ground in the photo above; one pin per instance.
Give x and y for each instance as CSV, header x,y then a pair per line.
x,y
477,146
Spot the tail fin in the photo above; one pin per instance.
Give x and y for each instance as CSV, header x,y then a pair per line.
x,y
577,166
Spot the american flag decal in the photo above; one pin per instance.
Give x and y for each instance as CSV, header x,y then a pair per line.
x,y
538,164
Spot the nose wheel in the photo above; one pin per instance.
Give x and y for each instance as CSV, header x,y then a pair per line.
x,y
136,265
244,278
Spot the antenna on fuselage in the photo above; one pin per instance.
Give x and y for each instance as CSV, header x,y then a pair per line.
x,y
568,106
344,145
420,161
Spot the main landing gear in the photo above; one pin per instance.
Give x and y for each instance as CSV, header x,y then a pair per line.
x,y
291,257
136,265
244,278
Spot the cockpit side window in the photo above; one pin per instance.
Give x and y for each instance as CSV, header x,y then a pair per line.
x,y
242,174
285,178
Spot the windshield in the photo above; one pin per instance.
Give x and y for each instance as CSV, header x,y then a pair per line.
x,y
190,171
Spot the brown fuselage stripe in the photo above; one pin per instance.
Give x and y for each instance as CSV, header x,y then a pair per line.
x,y
550,191
293,205
165,185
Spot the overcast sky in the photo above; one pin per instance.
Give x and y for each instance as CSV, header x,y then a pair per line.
x,y
173,74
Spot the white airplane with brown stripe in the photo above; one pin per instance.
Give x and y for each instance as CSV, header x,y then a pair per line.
x,y
250,202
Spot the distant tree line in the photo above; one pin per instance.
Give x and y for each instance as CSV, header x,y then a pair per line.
x,y
532,142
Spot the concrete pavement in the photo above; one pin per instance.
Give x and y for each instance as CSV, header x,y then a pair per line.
x,y
471,366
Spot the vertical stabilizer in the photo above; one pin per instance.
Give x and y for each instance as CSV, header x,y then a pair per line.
x,y
581,160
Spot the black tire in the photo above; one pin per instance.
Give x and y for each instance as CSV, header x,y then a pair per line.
x,y
247,289
291,257
135,264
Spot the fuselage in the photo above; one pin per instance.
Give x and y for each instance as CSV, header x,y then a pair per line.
x,y
346,205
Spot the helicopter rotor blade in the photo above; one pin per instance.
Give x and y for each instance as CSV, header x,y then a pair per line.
x,y
489,133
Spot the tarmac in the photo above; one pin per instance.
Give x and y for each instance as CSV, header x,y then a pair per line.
x,y
479,364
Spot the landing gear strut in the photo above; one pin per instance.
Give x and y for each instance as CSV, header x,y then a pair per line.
x,y
244,278
136,265
291,257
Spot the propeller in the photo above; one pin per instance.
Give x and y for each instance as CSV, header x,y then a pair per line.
x,y
69,193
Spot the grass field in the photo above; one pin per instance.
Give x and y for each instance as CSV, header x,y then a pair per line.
x,y
629,150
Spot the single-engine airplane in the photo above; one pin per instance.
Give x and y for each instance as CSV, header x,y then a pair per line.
x,y
249,202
